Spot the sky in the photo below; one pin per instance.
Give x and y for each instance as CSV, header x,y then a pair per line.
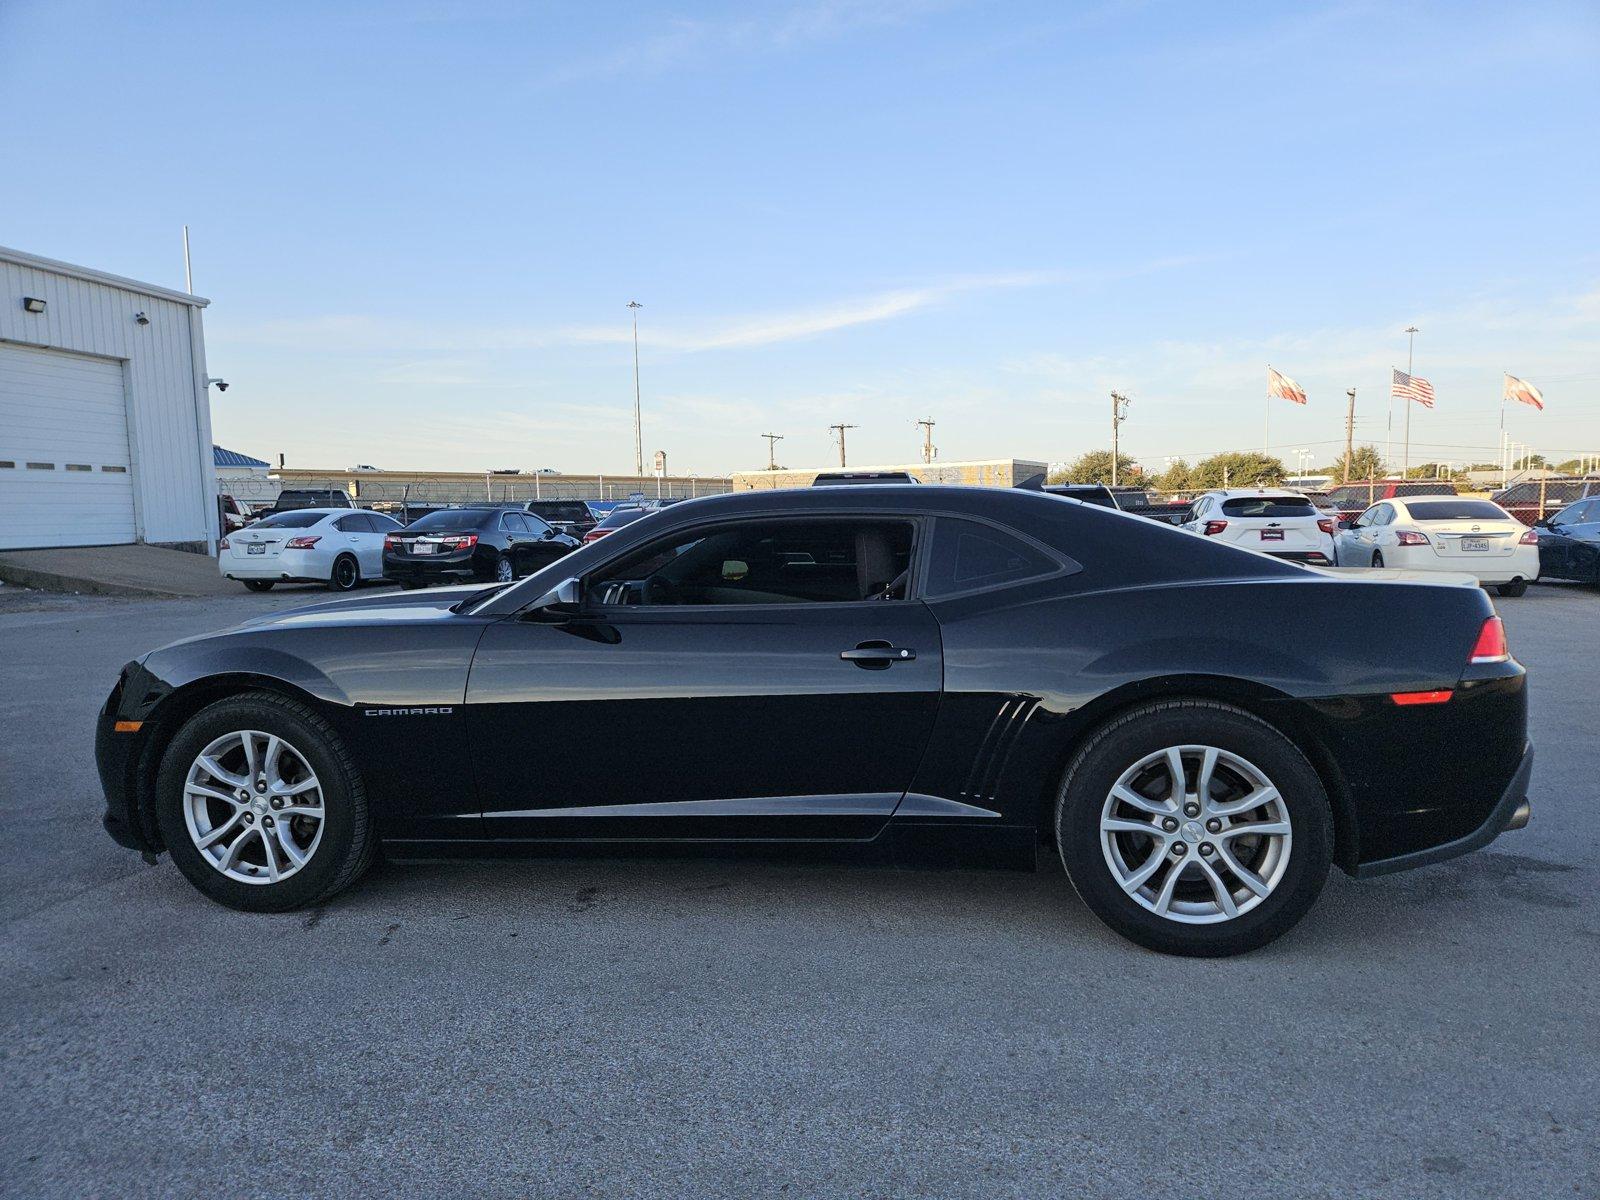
x,y
419,223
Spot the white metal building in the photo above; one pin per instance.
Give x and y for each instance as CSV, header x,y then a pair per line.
x,y
105,421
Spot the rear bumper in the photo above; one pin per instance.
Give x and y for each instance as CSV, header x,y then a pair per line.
x,y
289,564
408,570
1512,812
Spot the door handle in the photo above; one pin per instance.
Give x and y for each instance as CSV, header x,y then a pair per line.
x,y
877,653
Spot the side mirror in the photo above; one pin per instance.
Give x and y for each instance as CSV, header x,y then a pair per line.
x,y
559,602
1346,523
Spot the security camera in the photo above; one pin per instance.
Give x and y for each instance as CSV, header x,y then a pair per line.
x,y
141,318
220,384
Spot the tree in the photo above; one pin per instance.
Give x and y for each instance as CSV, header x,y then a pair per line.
x,y
1571,466
1365,463
1175,478
1095,467
1245,468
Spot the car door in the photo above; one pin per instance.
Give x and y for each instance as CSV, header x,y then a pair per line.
x,y
378,528
543,546
352,533
731,681
514,530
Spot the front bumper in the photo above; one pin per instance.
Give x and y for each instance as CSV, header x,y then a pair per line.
x,y
1513,811
116,757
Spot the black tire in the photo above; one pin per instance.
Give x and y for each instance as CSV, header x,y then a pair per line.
x,y
1118,745
409,585
1377,558
504,570
1515,588
349,840
346,574
259,585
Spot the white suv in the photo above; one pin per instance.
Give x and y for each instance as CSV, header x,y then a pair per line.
x,y
1275,521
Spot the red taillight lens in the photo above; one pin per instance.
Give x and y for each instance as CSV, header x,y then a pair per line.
x,y
1326,526
1531,538
1406,699
223,544
302,543
1215,527
460,541
1491,646
390,542
594,535
1412,539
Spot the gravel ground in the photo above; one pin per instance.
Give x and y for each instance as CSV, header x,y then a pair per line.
x,y
634,1027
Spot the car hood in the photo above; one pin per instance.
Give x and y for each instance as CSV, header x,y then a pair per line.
x,y
423,604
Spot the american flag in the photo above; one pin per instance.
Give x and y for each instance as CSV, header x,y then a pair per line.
x,y
1412,387
1280,385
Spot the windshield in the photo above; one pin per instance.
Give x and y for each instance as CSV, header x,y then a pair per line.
x,y
1456,510
1268,506
289,520
451,518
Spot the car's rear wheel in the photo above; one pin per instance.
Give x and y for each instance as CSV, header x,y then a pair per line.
x,y
345,575
259,585
1377,558
1515,588
1192,827
503,571
261,807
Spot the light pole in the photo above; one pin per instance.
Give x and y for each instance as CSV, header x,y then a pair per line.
x,y
638,429
1119,414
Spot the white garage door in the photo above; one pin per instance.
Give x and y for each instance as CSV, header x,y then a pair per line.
x,y
65,478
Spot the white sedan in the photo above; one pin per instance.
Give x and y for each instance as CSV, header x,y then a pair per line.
x,y
1444,533
336,546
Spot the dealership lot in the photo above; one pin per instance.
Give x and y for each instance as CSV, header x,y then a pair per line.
x,y
721,1027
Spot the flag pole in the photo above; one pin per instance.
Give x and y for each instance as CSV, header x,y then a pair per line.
x,y
1505,471
1411,344
1266,419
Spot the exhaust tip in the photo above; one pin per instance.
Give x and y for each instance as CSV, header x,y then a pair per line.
x,y
1520,818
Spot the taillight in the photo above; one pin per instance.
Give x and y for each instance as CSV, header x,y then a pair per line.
x,y
223,544
390,542
459,541
1412,539
1326,526
1407,699
1491,646
302,543
1530,538
594,535
1215,527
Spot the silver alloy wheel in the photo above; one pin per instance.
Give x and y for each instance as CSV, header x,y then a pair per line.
x,y
502,570
1196,834
253,807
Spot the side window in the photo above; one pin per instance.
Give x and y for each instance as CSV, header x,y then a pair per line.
x,y
535,525
513,523
1383,514
794,561
350,524
967,555
383,523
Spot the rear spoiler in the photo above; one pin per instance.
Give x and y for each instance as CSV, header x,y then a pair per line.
x,y
1033,483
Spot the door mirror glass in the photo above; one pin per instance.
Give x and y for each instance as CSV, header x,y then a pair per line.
x,y
733,570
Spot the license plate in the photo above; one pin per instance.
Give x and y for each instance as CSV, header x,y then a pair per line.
x,y
424,548
256,548
1474,543
1272,535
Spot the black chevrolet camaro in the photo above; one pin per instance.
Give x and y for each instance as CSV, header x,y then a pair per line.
x,y
925,674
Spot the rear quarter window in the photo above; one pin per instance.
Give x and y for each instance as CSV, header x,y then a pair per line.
x,y
968,556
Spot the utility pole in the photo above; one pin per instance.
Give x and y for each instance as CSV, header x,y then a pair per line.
x,y
928,450
1411,343
1349,431
839,429
638,431
1119,414
772,441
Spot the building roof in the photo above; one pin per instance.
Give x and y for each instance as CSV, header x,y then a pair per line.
x,y
223,457
38,262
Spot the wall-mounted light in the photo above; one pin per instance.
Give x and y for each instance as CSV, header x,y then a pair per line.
x,y
32,304
141,319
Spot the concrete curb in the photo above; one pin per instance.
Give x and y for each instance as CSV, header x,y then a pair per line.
x,y
51,581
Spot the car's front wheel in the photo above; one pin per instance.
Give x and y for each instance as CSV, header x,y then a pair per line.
x,y
1192,827
261,806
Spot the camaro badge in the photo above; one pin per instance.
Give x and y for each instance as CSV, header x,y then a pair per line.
x,y
444,711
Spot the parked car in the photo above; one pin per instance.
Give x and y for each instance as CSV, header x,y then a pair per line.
x,y
1531,500
958,674
569,516
295,499
454,545
1274,521
1354,499
1569,543
235,513
1445,533
831,478
336,546
623,514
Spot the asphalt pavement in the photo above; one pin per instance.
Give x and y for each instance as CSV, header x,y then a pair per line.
x,y
684,1027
